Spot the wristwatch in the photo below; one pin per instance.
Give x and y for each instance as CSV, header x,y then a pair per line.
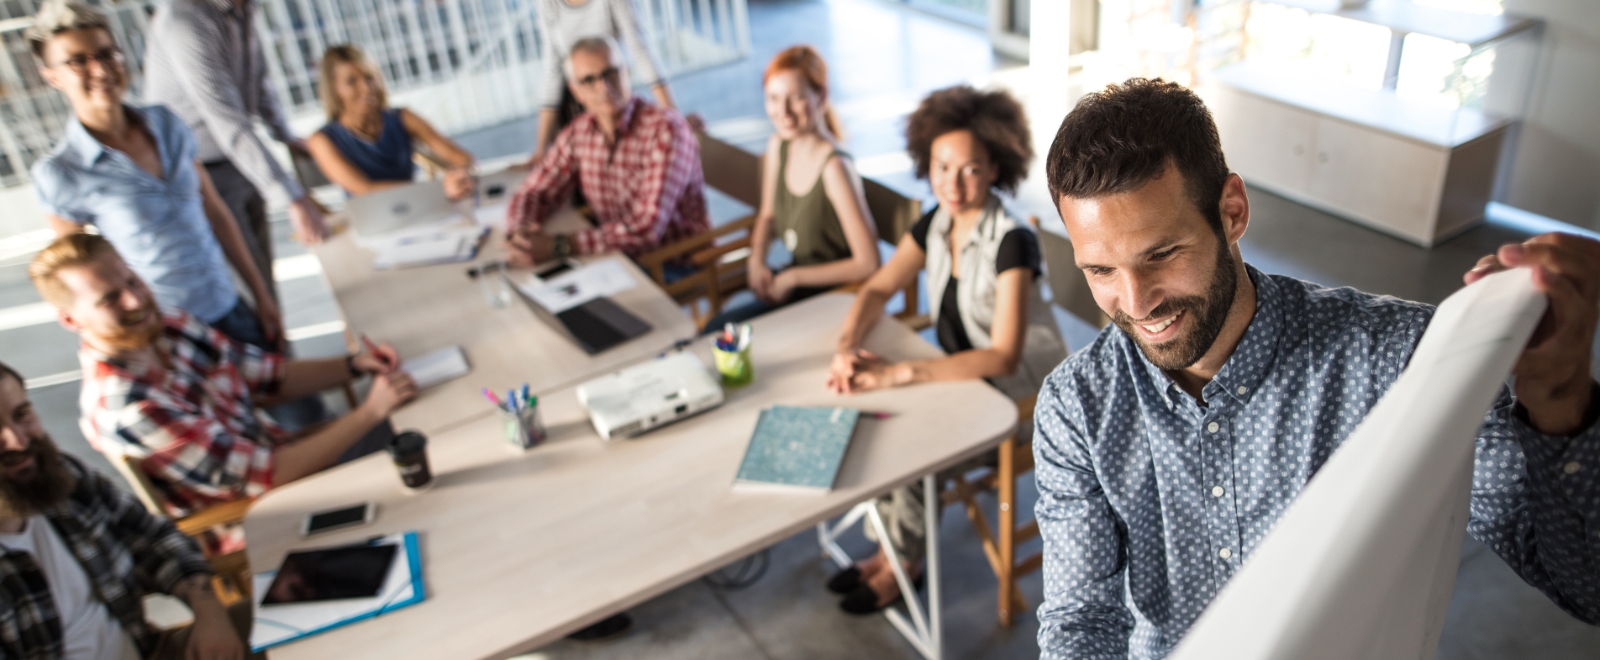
x,y
561,244
350,364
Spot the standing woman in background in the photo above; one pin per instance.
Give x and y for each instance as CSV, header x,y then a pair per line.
x,y
366,145
983,266
561,24
811,196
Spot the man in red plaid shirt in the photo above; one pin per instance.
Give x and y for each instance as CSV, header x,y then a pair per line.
x,y
638,164
182,398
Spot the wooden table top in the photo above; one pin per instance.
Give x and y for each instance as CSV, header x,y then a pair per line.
x,y
422,309
521,548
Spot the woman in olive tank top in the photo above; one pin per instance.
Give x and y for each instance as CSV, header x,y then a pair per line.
x,y
811,196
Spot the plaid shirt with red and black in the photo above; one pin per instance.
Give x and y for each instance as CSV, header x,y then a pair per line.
x,y
192,425
646,190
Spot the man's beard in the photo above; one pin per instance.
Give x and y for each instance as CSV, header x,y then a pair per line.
x,y
138,335
39,487
1206,313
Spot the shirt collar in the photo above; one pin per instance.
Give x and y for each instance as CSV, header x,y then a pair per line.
x,y
83,144
1259,346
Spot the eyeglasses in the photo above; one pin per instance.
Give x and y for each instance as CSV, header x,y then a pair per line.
x,y
107,57
610,74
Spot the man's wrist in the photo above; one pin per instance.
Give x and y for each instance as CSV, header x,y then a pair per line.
x,y
1564,416
561,245
350,366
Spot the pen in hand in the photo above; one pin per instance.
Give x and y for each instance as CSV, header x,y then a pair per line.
x,y
386,357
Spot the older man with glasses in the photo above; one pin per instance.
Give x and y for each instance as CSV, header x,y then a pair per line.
x,y
638,165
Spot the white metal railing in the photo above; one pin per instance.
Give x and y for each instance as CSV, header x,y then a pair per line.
x,y
464,64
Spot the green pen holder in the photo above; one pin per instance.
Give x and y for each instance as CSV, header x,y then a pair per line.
x,y
735,366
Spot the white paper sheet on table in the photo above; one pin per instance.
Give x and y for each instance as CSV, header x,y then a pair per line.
x,y
279,624
1363,563
600,279
448,363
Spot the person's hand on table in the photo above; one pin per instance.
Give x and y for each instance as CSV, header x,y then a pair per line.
x,y
390,391
374,358
212,635
459,183
759,277
1553,383
528,247
780,288
860,370
310,228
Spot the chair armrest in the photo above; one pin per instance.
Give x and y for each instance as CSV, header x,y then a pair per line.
x,y
654,259
227,513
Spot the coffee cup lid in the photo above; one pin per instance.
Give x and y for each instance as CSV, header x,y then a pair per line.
x,y
408,441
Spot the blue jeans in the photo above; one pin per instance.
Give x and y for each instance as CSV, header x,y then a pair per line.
x,y
242,325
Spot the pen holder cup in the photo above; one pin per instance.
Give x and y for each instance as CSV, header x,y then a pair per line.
x,y
524,428
735,366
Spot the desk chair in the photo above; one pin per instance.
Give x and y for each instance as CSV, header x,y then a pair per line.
x,y
232,581
893,214
720,256
1015,457
1068,287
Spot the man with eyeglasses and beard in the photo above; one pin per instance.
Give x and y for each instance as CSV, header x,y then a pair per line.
x,y
77,553
181,397
1168,448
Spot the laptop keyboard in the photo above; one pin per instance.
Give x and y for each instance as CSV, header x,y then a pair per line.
x,y
590,329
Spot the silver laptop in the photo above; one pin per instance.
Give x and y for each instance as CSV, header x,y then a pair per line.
x,y
394,209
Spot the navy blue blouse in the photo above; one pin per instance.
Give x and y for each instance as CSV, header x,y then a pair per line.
x,y
388,159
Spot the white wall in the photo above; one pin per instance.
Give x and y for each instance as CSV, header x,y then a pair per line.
x,y
1555,170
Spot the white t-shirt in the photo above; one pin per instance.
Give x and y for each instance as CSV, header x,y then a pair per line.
x,y
87,629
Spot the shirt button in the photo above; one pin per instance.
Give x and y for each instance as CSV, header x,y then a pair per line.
x,y
1243,389
1216,491
1212,427
1224,553
1572,468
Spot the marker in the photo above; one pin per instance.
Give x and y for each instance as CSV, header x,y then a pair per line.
x,y
492,398
877,415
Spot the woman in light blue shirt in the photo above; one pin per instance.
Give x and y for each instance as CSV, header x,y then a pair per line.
x,y
132,173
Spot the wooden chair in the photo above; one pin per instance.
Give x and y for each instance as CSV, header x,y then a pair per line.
x,y
893,214
1068,287
720,256
1000,543
232,581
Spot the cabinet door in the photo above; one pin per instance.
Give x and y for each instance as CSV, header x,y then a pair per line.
x,y
1384,180
1266,142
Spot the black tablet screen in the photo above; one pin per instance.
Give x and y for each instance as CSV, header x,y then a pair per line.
x,y
331,574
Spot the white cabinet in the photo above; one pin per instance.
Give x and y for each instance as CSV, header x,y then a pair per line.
x,y
1415,172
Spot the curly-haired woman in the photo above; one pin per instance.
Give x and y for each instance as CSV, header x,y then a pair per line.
x,y
983,268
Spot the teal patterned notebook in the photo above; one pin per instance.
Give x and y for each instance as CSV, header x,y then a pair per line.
x,y
796,449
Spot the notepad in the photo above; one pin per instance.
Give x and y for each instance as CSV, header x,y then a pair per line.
x,y
426,246
280,624
796,449
445,364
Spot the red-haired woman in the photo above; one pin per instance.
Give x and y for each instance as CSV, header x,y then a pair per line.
x,y
811,197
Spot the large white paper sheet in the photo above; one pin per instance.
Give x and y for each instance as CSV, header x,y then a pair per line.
x,y
600,279
1362,565
448,363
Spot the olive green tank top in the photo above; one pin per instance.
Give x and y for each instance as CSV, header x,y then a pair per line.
x,y
807,224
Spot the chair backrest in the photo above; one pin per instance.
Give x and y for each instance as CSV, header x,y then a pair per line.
x,y
732,171
892,212
306,171
1068,287
128,466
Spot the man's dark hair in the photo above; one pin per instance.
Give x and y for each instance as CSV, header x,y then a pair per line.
x,y
995,119
7,372
1122,137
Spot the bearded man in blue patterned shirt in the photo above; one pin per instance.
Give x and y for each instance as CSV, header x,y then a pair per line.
x,y
1169,447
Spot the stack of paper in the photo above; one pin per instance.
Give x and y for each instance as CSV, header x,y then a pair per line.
x,y
558,294
426,245
445,364
279,624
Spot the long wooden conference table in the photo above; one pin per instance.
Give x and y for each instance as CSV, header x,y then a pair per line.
x,y
520,548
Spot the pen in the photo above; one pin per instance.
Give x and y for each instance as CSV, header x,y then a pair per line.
x,y
876,414
373,348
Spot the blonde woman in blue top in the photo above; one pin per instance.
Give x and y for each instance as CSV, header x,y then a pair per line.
x,y
366,146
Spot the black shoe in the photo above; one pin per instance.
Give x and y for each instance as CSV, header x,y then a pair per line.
x,y
845,581
606,629
863,600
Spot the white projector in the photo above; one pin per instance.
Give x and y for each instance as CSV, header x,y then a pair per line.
x,y
649,395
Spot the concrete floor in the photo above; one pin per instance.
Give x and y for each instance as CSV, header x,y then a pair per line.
x,y
884,57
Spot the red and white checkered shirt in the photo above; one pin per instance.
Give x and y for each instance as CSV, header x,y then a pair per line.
x,y
646,190
193,426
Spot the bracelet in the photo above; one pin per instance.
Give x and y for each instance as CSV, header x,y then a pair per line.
x,y
350,364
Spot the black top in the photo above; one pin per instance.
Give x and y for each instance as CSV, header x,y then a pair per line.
x,y
1019,248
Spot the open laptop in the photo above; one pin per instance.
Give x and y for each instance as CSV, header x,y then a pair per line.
x,y
594,326
393,209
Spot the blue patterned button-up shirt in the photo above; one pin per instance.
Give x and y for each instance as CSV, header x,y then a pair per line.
x,y
1149,502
